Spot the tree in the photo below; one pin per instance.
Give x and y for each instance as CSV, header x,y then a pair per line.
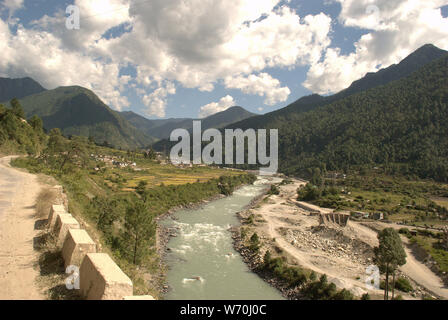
x,y
17,108
274,190
36,123
108,213
389,255
316,177
56,142
139,229
309,193
2,109
76,149
254,242
141,188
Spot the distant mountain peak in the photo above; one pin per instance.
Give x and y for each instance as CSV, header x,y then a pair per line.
x,y
413,62
18,88
233,110
162,128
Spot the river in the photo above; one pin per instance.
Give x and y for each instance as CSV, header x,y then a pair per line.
x,y
203,264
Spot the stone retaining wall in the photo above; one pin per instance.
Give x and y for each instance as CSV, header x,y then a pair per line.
x,y
339,219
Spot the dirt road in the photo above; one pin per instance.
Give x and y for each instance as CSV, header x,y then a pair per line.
x,y
421,274
18,259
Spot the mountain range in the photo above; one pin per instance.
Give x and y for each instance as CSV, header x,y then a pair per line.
x,y
162,129
394,116
79,111
18,88
391,117
421,57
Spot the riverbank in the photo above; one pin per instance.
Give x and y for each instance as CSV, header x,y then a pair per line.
x,y
254,260
300,250
297,240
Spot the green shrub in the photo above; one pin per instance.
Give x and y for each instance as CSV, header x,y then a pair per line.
x,y
274,190
405,232
365,296
254,242
403,284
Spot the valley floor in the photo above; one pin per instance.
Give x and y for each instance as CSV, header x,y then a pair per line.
x,y
343,254
18,259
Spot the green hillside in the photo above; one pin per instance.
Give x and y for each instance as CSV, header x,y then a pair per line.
x,y
78,111
402,125
412,63
18,136
153,128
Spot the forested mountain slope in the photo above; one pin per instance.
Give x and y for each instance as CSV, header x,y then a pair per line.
x,y
404,122
78,111
18,88
412,63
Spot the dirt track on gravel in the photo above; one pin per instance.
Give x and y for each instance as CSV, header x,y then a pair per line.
x,y
18,259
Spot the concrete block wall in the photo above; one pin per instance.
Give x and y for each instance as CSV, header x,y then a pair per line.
x,y
64,222
334,218
55,210
77,244
100,278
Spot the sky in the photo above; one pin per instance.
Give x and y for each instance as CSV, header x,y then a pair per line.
x,y
193,58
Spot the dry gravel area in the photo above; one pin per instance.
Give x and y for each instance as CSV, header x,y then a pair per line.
x,y
343,253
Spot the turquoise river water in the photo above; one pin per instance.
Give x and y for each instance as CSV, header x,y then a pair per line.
x,y
202,262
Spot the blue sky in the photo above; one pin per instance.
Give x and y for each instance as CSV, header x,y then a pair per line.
x,y
103,51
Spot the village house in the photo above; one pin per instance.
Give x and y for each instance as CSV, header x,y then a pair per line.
x,y
360,215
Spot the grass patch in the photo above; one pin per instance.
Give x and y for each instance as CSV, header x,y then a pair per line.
x,y
52,271
434,249
44,201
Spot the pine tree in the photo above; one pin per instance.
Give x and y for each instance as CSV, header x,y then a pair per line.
x,y
389,255
17,108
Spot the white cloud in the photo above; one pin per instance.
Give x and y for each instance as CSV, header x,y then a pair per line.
x,y
215,107
182,41
157,100
197,44
41,56
193,43
262,85
97,17
11,6
397,29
